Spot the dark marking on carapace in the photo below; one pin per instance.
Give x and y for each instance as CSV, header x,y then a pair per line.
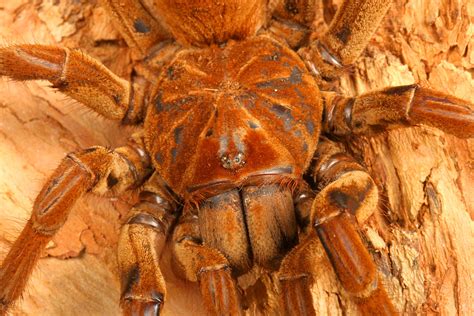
x,y
246,100
309,127
140,26
281,83
272,84
301,96
283,114
174,153
161,106
178,135
278,83
209,132
398,90
296,76
112,180
343,34
159,158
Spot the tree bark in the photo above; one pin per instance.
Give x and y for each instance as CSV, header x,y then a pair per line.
x,y
421,238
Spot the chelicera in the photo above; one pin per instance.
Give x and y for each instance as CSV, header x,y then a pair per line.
x,y
233,123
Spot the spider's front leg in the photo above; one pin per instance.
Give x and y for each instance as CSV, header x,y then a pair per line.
x,y
141,242
136,25
397,106
347,197
97,169
349,33
296,279
197,262
77,75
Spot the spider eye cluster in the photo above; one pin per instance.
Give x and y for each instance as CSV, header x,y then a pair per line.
x,y
235,162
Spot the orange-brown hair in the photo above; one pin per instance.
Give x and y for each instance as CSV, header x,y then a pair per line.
x,y
203,22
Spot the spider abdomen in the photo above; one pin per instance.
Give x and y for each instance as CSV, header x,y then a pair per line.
x,y
211,21
221,117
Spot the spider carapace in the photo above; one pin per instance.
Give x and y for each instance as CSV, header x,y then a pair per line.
x,y
232,118
243,116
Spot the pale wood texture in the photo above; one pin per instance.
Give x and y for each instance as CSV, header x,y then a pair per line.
x,y
422,240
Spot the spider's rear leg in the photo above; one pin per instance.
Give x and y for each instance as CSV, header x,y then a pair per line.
x,y
349,33
97,169
397,106
139,28
347,197
199,263
77,75
141,242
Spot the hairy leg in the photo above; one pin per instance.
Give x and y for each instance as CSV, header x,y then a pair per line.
x,y
292,21
136,25
97,169
347,197
349,33
296,279
397,106
77,75
141,242
198,263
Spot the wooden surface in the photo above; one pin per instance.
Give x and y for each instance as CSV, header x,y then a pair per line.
x,y
422,238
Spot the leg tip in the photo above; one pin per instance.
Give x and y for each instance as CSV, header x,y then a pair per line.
x,y
141,308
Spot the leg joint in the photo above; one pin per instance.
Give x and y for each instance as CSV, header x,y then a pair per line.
x,y
147,220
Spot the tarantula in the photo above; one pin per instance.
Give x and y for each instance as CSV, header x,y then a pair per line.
x,y
233,119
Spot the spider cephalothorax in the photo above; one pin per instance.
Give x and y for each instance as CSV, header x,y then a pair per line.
x,y
244,116
227,95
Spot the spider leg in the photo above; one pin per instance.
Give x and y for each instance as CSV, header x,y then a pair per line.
x,y
77,75
199,263
139,28
349,33
347,197
97,169
295,278
395,107
141,242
